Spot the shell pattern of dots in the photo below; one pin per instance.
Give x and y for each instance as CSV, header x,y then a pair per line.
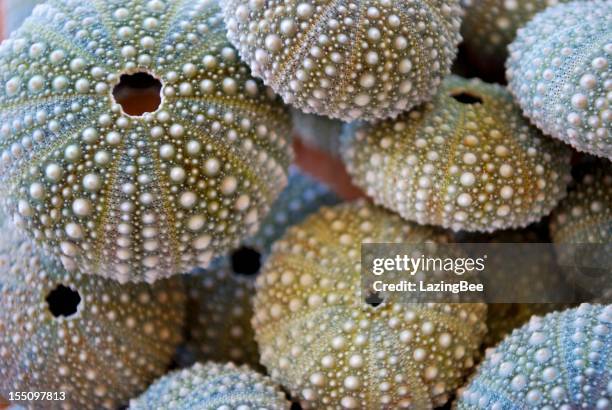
x,y
320,339
490,25
136,197
466,161
220,298
347,59
559,361
213,386
97,341
559,72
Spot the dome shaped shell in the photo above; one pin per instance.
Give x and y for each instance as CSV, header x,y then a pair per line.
x,y
466,161
99,342
135,197
355,60
212,386
320,340
585,216
220,298
489,26
559,72
558,361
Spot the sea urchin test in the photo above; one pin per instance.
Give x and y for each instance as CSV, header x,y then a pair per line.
x,y
559,70
88,340
466,161
135,195
347,60
559,361
320,339
213,386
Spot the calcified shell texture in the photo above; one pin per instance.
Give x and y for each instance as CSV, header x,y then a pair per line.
x,y
332,350
135,197
99,342
467,161
347,60
559,71
213,386
560,361
490,25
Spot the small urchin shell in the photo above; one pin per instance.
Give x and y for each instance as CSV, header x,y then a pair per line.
x,y
135,197
321,340
467,161
347,60
212,386
490,25
220,298
99,342
559,361
559,72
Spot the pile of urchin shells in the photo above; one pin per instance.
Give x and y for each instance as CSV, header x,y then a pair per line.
x,y
160,248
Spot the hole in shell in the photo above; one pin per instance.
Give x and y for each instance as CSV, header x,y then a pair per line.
x,y
246,261
466,98
374,299
63,301
138,93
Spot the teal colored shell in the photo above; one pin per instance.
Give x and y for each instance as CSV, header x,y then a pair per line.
x,y
135,198
99,342
559,72
348,60
220,298
15,11
317,131
559,361
212,386
489,26
466,161
320,339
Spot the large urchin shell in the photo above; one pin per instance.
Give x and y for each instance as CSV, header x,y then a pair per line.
x,y
99,342
558,361
559,71
321,340
347,60
212,386
490,25
467,161
220,298
135,197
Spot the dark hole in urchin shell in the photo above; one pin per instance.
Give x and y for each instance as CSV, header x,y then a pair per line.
x,y
374,299
246,261
466,98
63,301
138,93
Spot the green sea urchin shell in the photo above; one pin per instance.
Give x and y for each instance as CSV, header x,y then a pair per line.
x,y
347,60
135,197
99,342
559,71
331,349
212,386
560,361
220,298
467,161
490,25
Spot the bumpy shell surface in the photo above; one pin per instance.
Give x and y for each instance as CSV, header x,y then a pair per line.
x,y
467,161
212,386
347,60
559,72
490,25
321,340
135,197
560,361
119,339
317,131
220,298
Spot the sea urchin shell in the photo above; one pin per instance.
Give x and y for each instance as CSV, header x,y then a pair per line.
x,y
135,197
